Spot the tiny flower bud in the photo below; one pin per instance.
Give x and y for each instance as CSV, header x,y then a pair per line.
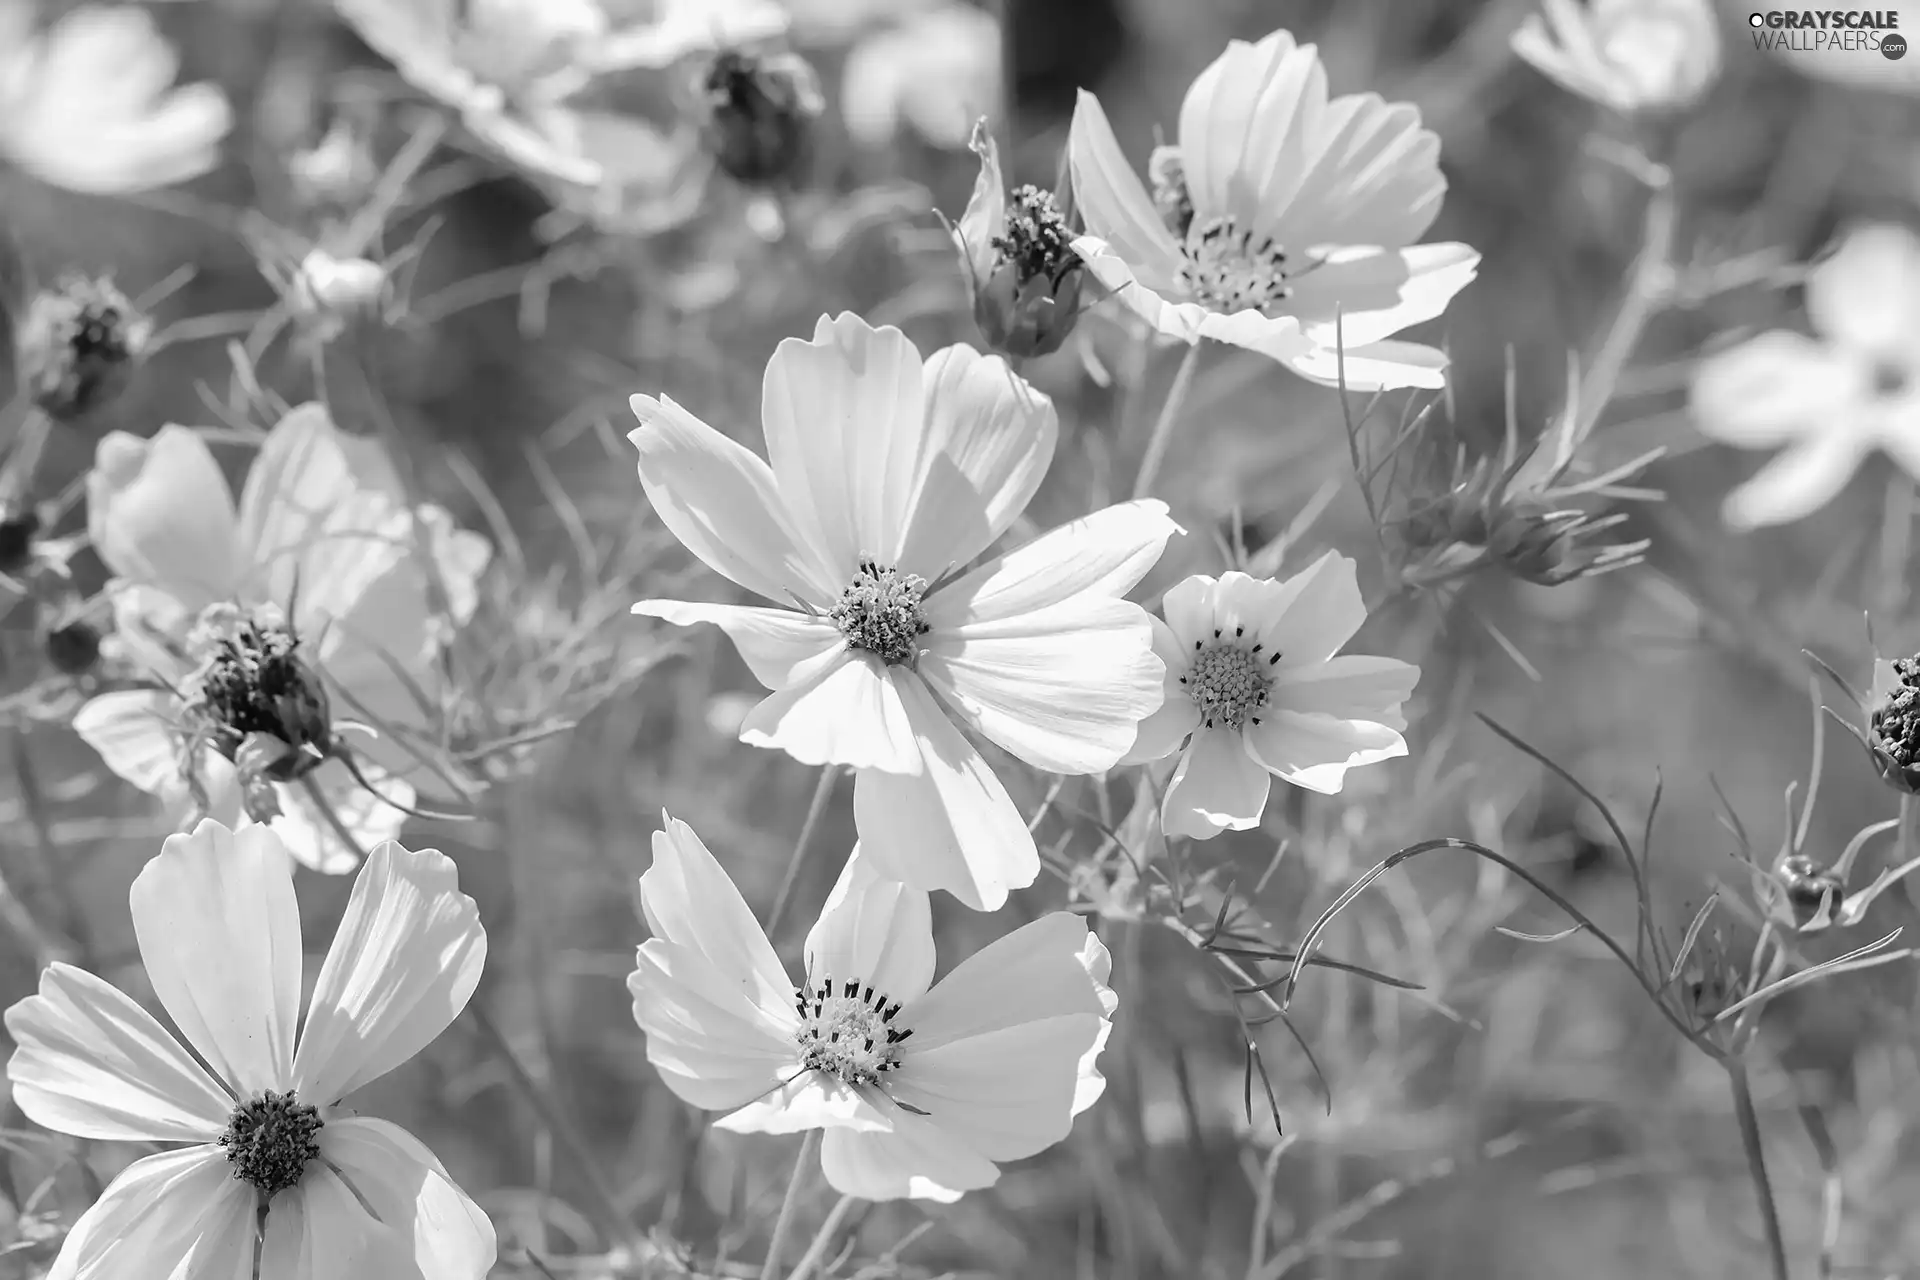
x,y
78,344
338,172
760,114
74,647
336,286
18,529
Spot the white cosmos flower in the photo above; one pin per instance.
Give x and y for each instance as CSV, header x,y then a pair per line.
x,y
89,103
1831,400
1254,689
923,1088
1283,222
1630,55
219,933
322,550
888,476
937,71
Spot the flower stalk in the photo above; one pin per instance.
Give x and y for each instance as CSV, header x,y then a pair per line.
x,y
1162,435
809,1152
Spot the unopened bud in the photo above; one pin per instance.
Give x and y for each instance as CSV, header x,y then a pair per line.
x,y
73,648
339,286
78,344
760,115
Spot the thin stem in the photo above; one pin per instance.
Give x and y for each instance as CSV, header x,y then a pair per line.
x,y
1652,276
616,1225
822,791
822,1239
809,1149
1163,425
1757,1165
392,186
49,889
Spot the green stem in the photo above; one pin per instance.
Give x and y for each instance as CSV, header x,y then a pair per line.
x,y
809,1148
392,186
1652,275
1757,1165
822,1239
822,791
1163,425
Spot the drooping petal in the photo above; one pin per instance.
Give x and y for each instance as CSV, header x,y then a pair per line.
x,y
987,441
1246,126
1217,787
1007,1093
952,826
219,933
722,503
774,643
328,820
1115,205
1348,687
90,1062
1772,389
181,1213
915,1159
1864,296
1030,975
1063,688
1387,365
1098,962
843,708
132,730
690,901
708,1033
1103,554
1315,751
844,415
810,1100
1801,480
440,1233
1374,178
1315,613
1162,731
159,512
1360,296
874,931
402,966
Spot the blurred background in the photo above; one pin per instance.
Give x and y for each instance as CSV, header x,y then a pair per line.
x,y
1525,1116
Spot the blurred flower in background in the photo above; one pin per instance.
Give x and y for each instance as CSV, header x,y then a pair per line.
x,y
1834,400
89,103
1631,55
935,72
1285,222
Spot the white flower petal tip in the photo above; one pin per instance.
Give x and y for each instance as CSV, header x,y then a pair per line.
x,y
922,1091
1629,55
1281,217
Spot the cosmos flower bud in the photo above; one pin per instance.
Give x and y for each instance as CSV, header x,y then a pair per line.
x,y
1631,55
72,646
339,286
78,345
337,172
760,114
1022,273
1893,722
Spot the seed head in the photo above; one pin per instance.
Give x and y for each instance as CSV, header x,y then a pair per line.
x,y
760,113
269,1141
1893,724
1029,301
78,345
253,685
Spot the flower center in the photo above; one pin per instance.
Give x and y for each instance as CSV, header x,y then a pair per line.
x,y
1896,722
1228,681
881,613
269,1141
1230,269
252,680
846,1031
1168,174
1036,242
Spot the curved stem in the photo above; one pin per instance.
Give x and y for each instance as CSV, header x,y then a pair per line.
x,y
809,1146
1757,1165
1163,425
822,1239
822,791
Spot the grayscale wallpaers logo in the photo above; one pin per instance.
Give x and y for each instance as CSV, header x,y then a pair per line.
x,y
1830,31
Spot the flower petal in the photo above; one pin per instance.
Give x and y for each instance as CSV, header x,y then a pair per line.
x,y
1245,127
1866,297
844,415
402,966
315,811
1314,613
1348,687
219,932
1103,554
1217,787
986,442
1161,732
1315,751
1007,1093
1167,307
305,470
440,1232
159,512
874,931
843,708
1357,297
1035,973
323,1232
132,731
1801,480
1114,203
985,217
1277,337
1063,688
1374,178
181,1213
90,1062
775,643
953,826
690,901
1378,366
1772,389
915,1159
722,503
710,1039
810,1100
